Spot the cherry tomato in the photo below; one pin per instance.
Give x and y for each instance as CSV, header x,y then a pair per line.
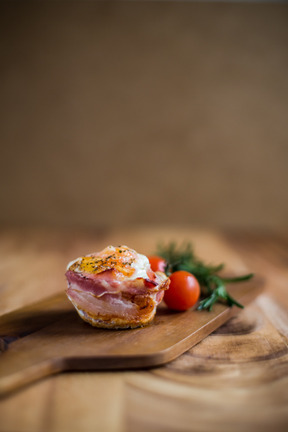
x,y
157,263
183,292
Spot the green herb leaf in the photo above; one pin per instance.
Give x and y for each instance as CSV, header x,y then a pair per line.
x,y
213,286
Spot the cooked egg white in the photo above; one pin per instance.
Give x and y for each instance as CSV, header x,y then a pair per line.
x,y
141,265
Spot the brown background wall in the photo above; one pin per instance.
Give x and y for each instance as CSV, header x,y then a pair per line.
x,y
144,113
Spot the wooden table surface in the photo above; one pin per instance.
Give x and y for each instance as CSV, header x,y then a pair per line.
x,y
234,380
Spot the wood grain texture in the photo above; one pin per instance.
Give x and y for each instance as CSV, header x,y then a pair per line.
x,y
71,344
235,379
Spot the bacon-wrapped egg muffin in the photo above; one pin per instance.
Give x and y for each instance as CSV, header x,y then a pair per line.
x,y
115,288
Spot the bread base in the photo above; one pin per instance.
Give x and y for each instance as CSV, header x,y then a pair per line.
x,y
114,323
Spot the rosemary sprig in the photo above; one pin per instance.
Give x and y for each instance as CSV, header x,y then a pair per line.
x,y
213,286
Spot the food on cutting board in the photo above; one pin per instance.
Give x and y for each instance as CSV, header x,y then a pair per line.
x,y
115,288
120,288
184,291
191,278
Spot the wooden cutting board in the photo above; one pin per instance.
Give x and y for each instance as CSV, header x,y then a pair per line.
x,y
68,343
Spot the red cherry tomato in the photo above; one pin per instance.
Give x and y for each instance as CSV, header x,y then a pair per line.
x,y
157,263
183,292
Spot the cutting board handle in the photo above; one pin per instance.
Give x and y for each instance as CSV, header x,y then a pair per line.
x,y
71,344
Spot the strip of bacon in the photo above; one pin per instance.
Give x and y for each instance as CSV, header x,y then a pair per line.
x,y
115,288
